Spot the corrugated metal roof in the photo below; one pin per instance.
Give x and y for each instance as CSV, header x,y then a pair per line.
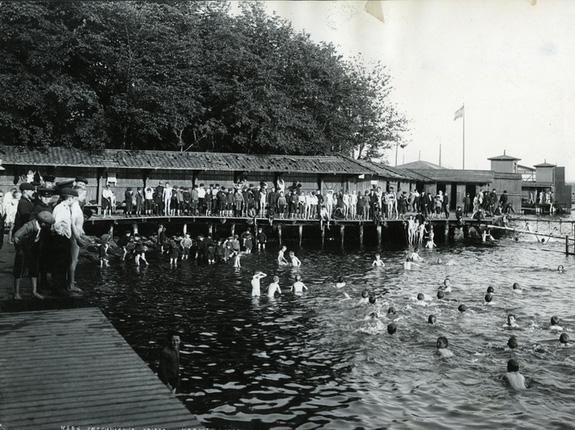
x,y
545,164
504,157
383,171
171,160
420,165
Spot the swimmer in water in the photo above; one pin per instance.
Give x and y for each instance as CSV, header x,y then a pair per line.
x,y
512,342
391,328
421,299
488,299
295,262
298,286
564,339
256,283
431,319
274,287
515,379
442,347
440,295
281,256
490,290
555,324
340,283
462,308
511,322
378,262
560,269
446,287
364,298
517,288
391,312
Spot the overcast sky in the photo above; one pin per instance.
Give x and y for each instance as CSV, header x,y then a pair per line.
x,y
512,62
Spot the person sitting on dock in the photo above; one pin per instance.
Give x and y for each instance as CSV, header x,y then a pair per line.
x,y
515,379
169,366
281,256
378,262
295,262
298,287
256,283
274,287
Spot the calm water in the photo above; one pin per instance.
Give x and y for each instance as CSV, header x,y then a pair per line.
x,y
299,362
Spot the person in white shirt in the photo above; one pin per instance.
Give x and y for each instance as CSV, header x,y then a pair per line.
x,y
78,235
148,200
107,199
202,199
62,237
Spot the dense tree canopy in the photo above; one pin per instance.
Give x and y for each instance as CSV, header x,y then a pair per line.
x,y
183,75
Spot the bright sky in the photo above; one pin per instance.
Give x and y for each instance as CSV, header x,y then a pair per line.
x,y
512,62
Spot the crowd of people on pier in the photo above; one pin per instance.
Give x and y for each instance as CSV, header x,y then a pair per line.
x,y
45,222
282,201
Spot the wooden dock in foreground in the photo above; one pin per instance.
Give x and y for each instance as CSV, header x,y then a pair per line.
x,y
70,369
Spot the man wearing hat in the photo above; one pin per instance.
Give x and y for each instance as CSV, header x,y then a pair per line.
x,y
28,244
25,205
43,200
62,236
49,181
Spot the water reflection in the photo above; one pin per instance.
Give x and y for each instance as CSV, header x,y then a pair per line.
x,y
300,361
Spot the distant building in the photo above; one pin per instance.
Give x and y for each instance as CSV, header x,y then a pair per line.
x,y
548,178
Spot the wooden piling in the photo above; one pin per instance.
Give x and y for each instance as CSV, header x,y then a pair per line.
x,y
322,236
378,229
233,229
300,234
135,228
361,235
111,231
185,228
446,232
210,230
342,234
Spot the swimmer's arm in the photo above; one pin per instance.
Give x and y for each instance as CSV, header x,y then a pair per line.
x,y
304,287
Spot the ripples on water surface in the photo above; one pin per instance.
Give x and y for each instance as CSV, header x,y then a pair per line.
x,y
299,362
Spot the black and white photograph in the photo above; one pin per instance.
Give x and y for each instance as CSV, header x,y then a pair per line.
x,y
287,214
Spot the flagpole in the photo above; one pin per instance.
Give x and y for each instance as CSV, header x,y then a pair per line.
x,y
463,136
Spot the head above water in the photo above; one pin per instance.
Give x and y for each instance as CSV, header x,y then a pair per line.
x,y
391,328
391,311
442,342
462,308
511,319
512,342
516,286
340,279
512,365
365,294
431,319
420,296
173,339
560,268
276,278
554,320
564,338
488,298
490,290
372,299
440,294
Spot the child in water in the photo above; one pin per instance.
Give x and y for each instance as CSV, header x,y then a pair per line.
x,y
442,347
103,250
515,379
378,262
274,287
295,262
555,324
174,253
281,256
364,300
511,322
237,258
256,283
298,287
340,283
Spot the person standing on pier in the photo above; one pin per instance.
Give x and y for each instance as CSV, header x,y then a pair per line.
x,y
25,206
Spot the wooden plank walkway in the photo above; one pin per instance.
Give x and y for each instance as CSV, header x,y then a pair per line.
x,y
72,368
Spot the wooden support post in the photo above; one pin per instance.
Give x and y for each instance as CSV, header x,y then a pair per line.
x,y
280,234
322,236
361,235
446,232
567,244
465,231
111,231
185,228
378,228
300,233
135,228
210,229
560,225
233,229
342,234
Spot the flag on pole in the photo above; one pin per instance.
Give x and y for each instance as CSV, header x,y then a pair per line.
x,y
375,9
459,113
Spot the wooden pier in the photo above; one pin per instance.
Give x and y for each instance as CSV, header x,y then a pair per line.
x,y
71,369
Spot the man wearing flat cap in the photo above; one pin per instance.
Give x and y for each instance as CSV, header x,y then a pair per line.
x,y
25,205
61,237
28,245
